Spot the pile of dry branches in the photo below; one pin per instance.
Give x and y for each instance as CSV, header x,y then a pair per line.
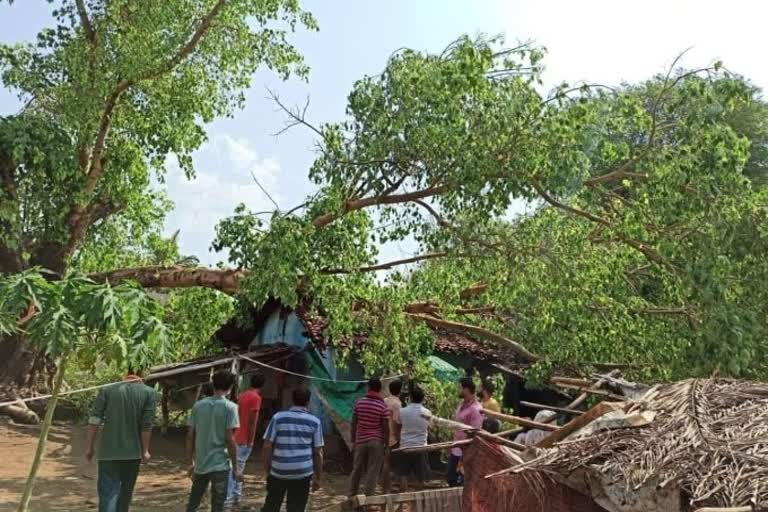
x,y
709,438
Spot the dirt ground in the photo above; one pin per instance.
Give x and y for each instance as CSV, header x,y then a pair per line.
x,y
66,482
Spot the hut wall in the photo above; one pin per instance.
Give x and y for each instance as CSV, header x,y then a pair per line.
x,y
287,328
531,492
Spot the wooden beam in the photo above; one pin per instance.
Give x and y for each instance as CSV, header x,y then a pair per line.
x,y
577,423
564,410
725,509
597,392
159,373
165,407
583,396
525,422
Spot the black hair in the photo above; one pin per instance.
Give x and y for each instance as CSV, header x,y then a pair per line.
x,y
257,380
468,384
374,384
489,386
417,395
223,380
395,387
301,397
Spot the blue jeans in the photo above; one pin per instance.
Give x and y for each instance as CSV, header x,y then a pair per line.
x,y
116,481
235,488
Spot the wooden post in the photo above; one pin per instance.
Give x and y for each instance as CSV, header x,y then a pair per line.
x,y
43,440
164,406
235,369
564,410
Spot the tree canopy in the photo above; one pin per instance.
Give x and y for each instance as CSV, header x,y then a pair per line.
x,y
643,244
110,92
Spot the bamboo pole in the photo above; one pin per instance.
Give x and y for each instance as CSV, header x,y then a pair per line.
x,y
434,447
455,425
26,495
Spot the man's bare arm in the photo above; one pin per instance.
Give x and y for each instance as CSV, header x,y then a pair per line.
x,y
385,429
146,440
191,446
254,424
90,441
229,438
318,462
267,457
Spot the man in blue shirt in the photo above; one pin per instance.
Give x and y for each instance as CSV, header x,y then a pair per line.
x,y
293,451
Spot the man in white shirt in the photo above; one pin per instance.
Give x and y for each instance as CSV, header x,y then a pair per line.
x,y
413,433
535,435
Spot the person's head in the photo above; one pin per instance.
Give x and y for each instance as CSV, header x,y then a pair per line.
x,y
257,381
487,389
301,397
137,369
417,395
223,381
207,389
467,388
395,387
374,384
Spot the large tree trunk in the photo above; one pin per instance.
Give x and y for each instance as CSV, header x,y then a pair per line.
x,y
22,368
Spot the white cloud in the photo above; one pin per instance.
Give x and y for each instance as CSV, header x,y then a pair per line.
x,y
611,41
226,168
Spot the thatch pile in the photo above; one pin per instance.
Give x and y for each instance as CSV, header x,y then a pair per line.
x,y
708,441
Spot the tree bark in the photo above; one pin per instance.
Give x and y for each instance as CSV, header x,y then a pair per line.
x,y
227,281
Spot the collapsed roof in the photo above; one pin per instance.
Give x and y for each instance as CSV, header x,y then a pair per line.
x,y
680,446
239,334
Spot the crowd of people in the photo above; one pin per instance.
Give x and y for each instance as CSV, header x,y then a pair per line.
x,y
387,433
220,439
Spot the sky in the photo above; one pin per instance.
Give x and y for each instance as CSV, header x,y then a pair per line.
x,y
602,41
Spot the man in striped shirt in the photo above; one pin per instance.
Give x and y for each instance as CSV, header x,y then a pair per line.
x,y
293,451
370,433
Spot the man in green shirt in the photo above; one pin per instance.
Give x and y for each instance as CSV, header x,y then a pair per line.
x,y
211,444
125,412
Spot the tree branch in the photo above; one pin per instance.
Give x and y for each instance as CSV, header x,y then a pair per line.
x,y
366,202
90,33
501,341
615,175
78,217
385,266
224,280
650,253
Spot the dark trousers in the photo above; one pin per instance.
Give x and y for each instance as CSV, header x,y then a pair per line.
x,y
116,481
453,476
297,491
218,480
366,466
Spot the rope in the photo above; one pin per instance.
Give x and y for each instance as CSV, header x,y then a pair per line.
x,y
310,377
65,393
259,363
